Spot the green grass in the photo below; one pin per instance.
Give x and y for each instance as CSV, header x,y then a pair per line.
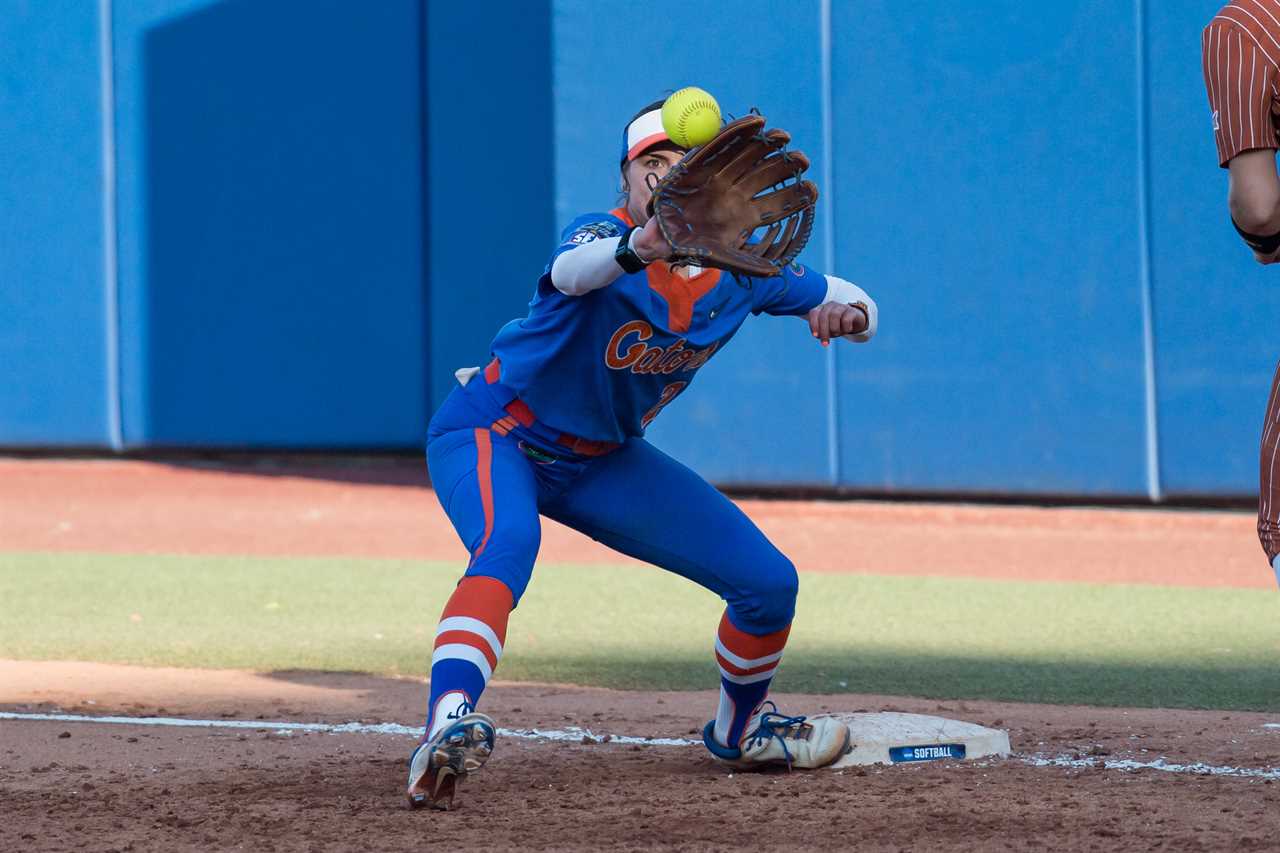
x,y
644,629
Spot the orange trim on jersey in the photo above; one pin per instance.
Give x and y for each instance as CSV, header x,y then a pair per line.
x,y
486,599
484,473
749,646
681,293
518,412
621,213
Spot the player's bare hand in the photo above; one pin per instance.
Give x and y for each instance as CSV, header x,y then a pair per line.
x,y
835,320
1274,257
650,245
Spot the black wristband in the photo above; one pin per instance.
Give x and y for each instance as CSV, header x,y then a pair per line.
x,y
626,256
1263,244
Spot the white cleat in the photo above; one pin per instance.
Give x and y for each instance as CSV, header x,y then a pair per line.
x,y
438,765
776,739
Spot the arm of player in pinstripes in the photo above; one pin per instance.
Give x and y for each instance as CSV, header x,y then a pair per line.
x,y
1240,59
1254,196
1240,76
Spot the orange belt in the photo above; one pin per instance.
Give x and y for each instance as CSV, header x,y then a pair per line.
x,y
518,412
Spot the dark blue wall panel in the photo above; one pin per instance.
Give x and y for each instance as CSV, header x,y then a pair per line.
x,y
489,149
1216,309
271,222
758,411
985,195
54,368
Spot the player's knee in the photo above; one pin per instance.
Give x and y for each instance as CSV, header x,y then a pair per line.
x,y
508,555
524,538
772,601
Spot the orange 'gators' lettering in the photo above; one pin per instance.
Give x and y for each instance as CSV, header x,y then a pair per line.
x,y
620,354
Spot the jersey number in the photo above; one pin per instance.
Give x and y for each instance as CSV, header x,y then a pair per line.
x,y
668,394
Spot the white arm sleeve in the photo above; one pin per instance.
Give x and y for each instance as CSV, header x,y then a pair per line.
x,y
839,290
588,267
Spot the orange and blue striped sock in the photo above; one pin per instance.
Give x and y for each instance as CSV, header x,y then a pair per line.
x,y
468,646
747,664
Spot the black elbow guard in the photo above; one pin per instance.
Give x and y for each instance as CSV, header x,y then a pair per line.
x,y
1262,244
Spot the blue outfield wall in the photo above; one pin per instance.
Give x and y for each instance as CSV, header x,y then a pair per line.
x,y
986,194
324,209
492,179
271,222
56,366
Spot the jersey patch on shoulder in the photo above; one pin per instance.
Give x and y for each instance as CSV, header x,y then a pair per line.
x,y
593,231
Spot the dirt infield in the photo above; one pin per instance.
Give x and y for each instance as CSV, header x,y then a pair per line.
x,y
134,787
72,785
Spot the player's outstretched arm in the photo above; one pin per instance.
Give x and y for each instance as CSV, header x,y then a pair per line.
x,y
833,307
1254,200
846,312
594,264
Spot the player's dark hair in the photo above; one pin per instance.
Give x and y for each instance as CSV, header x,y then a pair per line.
x,y
656,105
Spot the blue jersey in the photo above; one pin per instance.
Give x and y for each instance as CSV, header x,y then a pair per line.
x,y
602,365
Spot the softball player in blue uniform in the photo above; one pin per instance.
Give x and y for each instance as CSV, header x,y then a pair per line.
x,y
554,425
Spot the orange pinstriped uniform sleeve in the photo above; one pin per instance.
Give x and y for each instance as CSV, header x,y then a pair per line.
x,y
1240,50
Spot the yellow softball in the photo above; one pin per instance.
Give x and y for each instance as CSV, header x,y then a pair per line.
x,y
691,117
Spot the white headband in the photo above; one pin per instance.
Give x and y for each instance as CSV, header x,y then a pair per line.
x,y
646,130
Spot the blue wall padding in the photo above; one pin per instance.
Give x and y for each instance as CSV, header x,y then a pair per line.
x,y
54,365
271,223
492,180
986,194
323,211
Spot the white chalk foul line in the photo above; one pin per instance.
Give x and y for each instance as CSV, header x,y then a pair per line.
x,y
1198,769
574,734
570,734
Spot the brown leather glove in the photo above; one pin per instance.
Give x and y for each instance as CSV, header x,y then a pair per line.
x,y
710,204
